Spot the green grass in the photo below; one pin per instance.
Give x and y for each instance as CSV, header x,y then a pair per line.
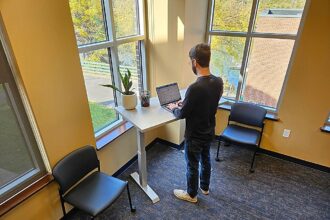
x,y
102,116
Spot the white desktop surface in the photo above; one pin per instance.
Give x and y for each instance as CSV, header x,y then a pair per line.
x,y
147,118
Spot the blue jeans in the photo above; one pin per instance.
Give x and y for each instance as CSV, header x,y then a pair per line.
x,y
197,153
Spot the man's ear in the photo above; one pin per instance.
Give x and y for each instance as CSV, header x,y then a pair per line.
x,y
197,65
194,62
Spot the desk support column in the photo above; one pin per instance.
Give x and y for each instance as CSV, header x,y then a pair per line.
x,y
141,178
142,159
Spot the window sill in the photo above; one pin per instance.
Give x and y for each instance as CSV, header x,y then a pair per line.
x,y
25,193
269,115
112,135
325,128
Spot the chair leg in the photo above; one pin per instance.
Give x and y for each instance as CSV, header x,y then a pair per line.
x,y
217,158
252,163
63,207
133,209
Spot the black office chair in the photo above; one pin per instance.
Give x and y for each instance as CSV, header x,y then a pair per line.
x,y
246,114
96,191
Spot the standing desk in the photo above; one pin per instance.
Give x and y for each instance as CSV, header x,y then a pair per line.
x,y
145,119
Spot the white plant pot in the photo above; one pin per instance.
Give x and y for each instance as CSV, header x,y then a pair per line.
x,y
129,101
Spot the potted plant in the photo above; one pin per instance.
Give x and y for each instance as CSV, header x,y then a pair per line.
x,y
129,99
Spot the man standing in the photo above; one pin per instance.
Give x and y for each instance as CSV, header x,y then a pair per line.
x,y
199,108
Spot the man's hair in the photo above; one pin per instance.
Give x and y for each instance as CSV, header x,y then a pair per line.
x,y
201,53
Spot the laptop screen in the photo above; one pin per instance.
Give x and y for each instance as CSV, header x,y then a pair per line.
x,y
168,93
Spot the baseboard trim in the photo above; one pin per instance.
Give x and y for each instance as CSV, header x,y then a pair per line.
x,y
295,160
168,143
261,150
135,158
148,147
289,158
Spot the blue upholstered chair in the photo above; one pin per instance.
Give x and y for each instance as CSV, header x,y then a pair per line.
x,y
244,114
82,185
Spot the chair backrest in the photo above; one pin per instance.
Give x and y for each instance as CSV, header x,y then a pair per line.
x,y
247,113
75,166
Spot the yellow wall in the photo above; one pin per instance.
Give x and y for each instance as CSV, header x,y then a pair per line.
x,y
41,36
46,54
44,46
166,22
43,42
306,100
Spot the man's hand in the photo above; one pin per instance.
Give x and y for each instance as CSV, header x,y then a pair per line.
x,y
172,106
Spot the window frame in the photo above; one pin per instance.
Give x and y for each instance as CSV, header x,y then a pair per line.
x,y
249,35
16,191
111,44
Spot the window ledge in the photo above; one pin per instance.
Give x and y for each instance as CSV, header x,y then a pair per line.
x,y
269,115
325,128
25,193
112,135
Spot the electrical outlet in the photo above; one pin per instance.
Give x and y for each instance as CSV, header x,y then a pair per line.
x,y
286,133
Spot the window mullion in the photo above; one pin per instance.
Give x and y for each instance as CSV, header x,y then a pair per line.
x,y
140,6
274,35
113,50
143,65
95,46
242,77
209,21
129,39
109,19
228,33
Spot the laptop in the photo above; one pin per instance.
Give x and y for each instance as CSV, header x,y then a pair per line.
x,y
168,94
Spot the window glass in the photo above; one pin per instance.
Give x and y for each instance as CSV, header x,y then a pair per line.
x,y
266,70
15,157
231,15
265,51
20,160
129,59
226,60
91,26
125,17
88,21
96,70
280,16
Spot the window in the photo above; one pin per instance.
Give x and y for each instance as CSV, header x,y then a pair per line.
x,y
252,43
110,39
21,163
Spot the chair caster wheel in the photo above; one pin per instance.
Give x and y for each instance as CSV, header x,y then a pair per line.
x,y
217,159
251,170
133,209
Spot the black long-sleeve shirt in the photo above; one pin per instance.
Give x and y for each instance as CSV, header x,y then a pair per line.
x,y
200,106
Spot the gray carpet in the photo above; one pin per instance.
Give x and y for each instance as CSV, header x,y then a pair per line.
x,y
277,190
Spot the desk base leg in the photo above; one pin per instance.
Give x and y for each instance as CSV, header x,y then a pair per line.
x,y
150,193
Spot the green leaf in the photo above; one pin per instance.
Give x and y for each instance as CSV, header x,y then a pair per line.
x,y
130,85
128,73
113,87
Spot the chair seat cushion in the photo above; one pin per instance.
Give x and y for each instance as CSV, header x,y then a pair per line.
x,y
95,193
240,134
